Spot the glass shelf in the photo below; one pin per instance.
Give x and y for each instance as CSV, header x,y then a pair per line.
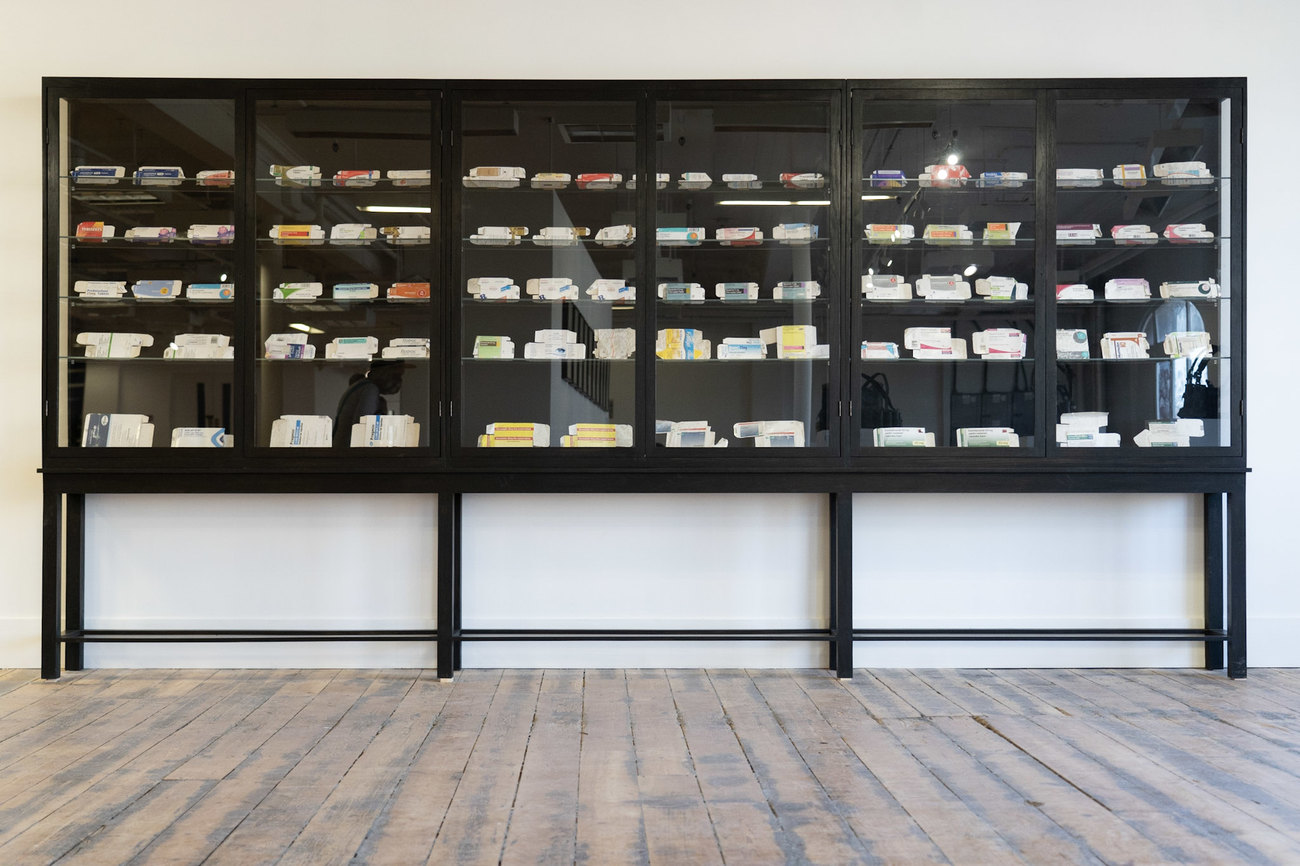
x,y
1143,361
908,308
1153,186
1161,245
766,245
326,305
764,186
759,303
122,244
586,244
1139,302
326,186
540,302
265,244
525,187
152,304
676,362
127,184
337,362
1019,244
471,360
151,359
913,186
906,362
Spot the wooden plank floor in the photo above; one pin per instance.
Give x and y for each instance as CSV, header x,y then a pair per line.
x,y
644,766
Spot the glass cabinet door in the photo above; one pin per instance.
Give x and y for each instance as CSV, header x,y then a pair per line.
x,y
745,274
1144,288
346,193
145,264
944,324
546,264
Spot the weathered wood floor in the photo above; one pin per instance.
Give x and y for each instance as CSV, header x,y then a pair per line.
x,y
673,767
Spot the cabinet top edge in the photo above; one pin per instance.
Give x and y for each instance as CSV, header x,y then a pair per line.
x,y
155,84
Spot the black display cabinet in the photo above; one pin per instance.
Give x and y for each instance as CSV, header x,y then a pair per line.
x,y
458,287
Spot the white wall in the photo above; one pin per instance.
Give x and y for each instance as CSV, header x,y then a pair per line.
x,y
1145,556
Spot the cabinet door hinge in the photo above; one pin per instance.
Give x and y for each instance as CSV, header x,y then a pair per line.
x,y
1241,408
47,408
840,410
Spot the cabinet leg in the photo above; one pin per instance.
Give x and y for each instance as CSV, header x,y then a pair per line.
x,y
1237,582
455,577
841,584
1213,531
74,581
448,583
51,582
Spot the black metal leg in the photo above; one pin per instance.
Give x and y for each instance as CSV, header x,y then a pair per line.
x,y
1213,577
841,588
455,578
51,582
448,545
1237,581
832,589
74,581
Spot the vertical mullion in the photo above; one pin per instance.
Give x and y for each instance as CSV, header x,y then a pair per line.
x,y
1237,306
454,231
439,309
53,281
246,289
1045,271
841,260
851,232
647,142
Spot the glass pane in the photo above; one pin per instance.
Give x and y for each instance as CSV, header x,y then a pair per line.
x,y
945,308
745,275
145,258
346,273
1142,271
548,283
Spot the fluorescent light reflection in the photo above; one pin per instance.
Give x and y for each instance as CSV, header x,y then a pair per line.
x,y
393,208
970,269
306,329
773,203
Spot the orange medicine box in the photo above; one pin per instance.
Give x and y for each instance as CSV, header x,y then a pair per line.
x,y
408,292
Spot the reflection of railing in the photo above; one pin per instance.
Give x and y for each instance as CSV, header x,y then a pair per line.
x,y
993,394
589,380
